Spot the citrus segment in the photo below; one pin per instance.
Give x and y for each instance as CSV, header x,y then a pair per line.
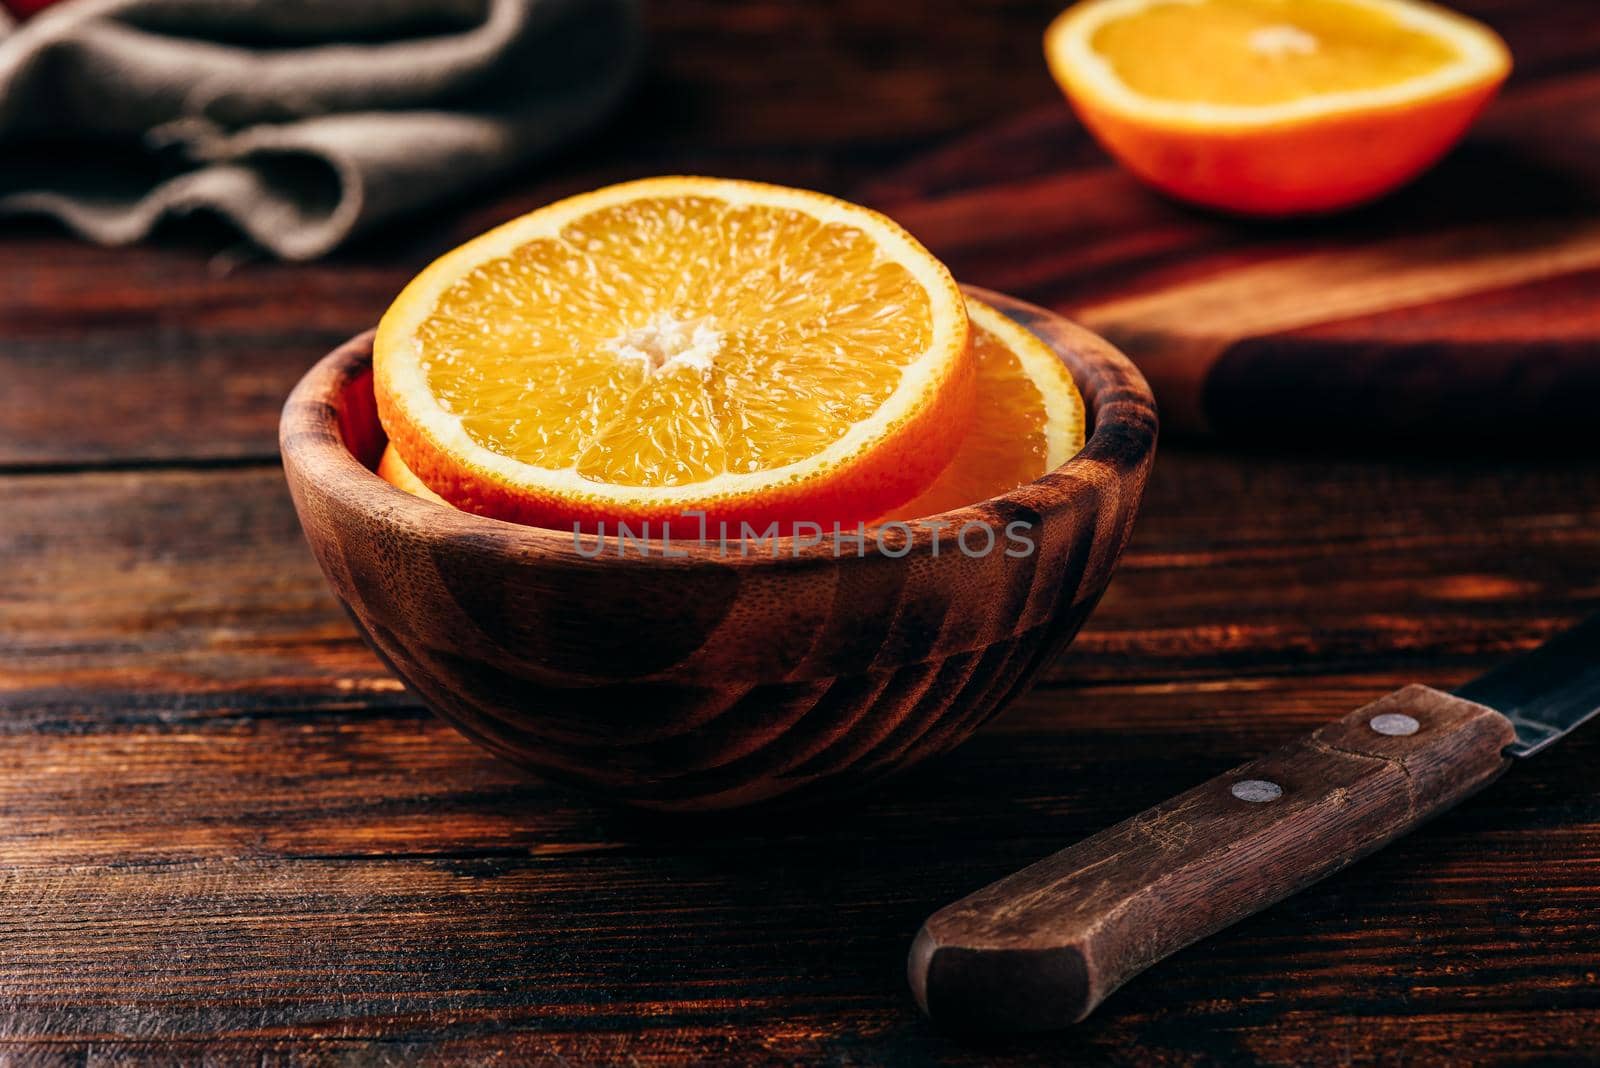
x,y
679,345
1263,52
1274,106
394,471
1028,418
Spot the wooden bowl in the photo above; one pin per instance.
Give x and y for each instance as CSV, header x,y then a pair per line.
x,y
710,680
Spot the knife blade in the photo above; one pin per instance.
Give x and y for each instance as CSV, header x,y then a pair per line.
x,y
1042,948
1547,692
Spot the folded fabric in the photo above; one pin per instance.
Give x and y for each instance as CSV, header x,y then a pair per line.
x,y
302,121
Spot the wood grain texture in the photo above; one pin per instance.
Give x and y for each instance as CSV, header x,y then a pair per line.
x,y
725,676
1207,343
341,874
228,834
1041,949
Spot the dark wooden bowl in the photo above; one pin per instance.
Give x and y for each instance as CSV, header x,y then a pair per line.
x,y
710,681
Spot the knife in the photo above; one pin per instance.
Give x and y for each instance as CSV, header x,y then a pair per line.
x,y
1042,948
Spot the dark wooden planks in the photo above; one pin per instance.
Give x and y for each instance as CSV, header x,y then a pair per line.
x,y
190,731
165,357
168,580
176,581
323,872
789,74
170,779
286,889
179,355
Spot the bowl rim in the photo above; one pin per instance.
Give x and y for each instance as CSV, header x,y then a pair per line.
x,y
1120,408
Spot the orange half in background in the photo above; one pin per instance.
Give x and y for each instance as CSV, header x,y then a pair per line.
x,y
1274,107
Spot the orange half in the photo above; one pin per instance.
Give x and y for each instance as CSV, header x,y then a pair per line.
x,y
1028,418
1274,107
394,471
673,347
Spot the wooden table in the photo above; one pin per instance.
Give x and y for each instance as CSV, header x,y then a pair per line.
x,y
226,830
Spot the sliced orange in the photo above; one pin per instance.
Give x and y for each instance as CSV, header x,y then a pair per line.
x,y
675,346
1274,107
394,471
1028,419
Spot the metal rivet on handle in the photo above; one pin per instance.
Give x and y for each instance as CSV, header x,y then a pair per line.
x,y
1257,790
1395,724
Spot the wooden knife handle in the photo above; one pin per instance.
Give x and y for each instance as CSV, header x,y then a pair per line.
x,y
1041,948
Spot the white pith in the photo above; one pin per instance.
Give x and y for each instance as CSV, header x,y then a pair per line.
x,y
665,344
408,386
1283,40
1070,53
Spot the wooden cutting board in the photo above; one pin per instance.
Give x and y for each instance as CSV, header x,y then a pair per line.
x,y
1465,308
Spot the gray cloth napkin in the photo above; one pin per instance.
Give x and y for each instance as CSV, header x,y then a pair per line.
x,y
302,121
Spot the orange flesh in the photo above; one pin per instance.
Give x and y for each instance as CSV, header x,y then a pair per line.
x,y
394,471
1006,446
669,340
1263,52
